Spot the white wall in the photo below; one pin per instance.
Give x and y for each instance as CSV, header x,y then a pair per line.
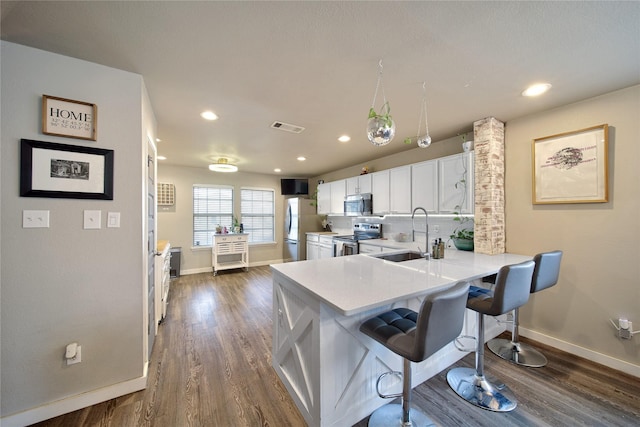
x,y
64,284
600,272
175,223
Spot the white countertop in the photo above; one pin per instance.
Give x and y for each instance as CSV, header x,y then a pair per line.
x,y
352,284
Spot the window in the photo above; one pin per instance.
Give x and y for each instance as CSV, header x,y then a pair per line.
x,y
258,213
212,206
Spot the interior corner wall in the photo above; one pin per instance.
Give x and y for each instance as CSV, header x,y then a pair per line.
x,y
600,272
175,223
64,284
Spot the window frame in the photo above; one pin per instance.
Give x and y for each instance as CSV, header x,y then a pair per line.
x,y
272,216
209,240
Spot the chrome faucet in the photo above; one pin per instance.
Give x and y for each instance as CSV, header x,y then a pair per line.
x,y
424,254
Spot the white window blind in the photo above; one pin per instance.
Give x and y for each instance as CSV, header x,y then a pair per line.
x,y
258,214
212,206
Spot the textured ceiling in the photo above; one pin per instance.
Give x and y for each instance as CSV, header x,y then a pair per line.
x,y
315,64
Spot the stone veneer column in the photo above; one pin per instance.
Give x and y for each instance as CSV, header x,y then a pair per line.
x,y
489,223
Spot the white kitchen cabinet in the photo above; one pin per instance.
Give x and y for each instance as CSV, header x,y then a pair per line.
x,y
400,190
359,184
319,246
456,183
230,251
365,248
324,199
162,281
325,247
424,186
380,190
391,190
338,191
313,246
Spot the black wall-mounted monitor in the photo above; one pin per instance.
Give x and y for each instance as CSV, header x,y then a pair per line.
x,y
291,186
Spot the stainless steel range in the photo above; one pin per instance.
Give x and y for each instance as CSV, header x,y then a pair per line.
x,y
348,245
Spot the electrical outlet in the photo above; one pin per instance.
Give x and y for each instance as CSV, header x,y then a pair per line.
x,y
77,358
626,328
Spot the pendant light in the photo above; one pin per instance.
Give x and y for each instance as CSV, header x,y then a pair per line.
x,y
223,166
380,128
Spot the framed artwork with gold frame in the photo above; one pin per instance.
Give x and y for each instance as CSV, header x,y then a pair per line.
x,y
571,167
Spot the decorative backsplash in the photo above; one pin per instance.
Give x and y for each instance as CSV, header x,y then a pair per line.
x,y
440,226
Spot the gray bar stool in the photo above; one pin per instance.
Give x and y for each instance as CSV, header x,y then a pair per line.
x,y
415,337
511,291
545,275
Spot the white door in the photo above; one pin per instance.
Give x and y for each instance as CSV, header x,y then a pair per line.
x,y
151,245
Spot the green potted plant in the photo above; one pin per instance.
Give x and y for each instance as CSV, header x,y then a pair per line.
x,y
381,128
462,235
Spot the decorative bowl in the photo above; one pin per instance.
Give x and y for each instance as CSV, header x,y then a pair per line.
x,y
463,244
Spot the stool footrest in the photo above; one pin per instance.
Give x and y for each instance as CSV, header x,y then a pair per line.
x,y
460,346
388,396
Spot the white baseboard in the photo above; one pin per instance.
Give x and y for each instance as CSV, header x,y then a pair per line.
x,y
210,270
73,403
603,359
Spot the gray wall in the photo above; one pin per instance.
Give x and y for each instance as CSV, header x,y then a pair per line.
x,y
600,273
64,284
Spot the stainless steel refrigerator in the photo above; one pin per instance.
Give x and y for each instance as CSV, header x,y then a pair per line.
x,y
299,217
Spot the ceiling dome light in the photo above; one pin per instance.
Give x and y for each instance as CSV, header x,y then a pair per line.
x,y
209,115
277,170
223,166
536,89
344,138
302,159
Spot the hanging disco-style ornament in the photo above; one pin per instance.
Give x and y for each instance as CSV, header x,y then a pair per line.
x,y
425,140
380,128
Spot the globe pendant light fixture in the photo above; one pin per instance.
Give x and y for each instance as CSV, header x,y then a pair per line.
x,y
380,128
425,140
223,166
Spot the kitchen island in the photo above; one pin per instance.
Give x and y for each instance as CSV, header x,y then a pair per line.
x,y
327,365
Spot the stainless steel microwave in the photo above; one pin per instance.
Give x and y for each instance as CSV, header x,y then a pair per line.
x,y
358,204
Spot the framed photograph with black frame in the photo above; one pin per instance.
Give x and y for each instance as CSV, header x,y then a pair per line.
x,y
66,117
65,171
571,167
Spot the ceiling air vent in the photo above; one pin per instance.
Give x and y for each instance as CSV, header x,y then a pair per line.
x,y
287,127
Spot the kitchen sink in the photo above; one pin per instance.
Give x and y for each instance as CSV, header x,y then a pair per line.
x,y
399,257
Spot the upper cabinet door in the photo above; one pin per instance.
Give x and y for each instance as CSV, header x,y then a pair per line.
x,y
338,191
456,183
380,190
424,186
324,199
359,184
400,189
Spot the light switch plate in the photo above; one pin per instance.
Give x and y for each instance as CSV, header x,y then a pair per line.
x,y
35,219
92,220
113,219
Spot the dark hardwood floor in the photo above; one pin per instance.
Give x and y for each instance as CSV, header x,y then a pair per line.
x,y
211,366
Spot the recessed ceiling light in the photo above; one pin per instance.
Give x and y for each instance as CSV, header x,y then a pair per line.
x,y
344,138
223,166
161,158
277,170
158,140
536,89
209,115
302,158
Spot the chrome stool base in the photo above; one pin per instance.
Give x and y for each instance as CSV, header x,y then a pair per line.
x,y
518,353
391,415
480,392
